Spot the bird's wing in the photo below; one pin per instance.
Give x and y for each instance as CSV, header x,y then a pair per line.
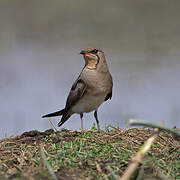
x,y
109,94
76,92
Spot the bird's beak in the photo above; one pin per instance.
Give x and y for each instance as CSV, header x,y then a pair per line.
x,y
82,52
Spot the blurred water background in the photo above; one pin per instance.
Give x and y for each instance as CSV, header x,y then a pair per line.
x,y
40,41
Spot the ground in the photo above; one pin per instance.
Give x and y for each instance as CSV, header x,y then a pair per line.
x,y
87,155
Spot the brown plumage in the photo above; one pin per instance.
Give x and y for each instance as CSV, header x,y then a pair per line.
x,y
92,87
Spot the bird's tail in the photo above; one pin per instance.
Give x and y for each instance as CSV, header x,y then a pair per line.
x,y
58,113
64,118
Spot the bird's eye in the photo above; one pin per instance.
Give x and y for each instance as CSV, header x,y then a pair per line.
x,y
94,51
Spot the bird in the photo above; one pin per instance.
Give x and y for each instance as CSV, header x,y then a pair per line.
x,y
93,87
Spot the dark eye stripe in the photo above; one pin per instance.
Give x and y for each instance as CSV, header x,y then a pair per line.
x,y
94,51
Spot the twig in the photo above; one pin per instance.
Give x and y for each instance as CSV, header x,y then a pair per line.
x,y
52,126
145,123
45,162
138,158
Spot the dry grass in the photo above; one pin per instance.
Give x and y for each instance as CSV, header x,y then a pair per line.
x,y
87,155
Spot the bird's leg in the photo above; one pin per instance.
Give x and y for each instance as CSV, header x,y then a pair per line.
x,y
97,121
81,116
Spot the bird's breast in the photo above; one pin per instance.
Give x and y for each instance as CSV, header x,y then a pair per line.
x,y
100,82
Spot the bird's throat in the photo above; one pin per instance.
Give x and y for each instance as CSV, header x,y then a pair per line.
x,y
92,65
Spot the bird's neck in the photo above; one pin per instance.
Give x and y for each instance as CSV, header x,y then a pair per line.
x,y
92,64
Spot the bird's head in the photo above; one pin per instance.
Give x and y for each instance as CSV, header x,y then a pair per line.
x,y
93,57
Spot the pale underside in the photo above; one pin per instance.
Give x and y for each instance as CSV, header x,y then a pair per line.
x,y
88,103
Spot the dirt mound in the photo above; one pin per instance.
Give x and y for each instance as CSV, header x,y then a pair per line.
x,y
87,154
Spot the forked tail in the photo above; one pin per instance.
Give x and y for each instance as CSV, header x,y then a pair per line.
x,y
58,113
